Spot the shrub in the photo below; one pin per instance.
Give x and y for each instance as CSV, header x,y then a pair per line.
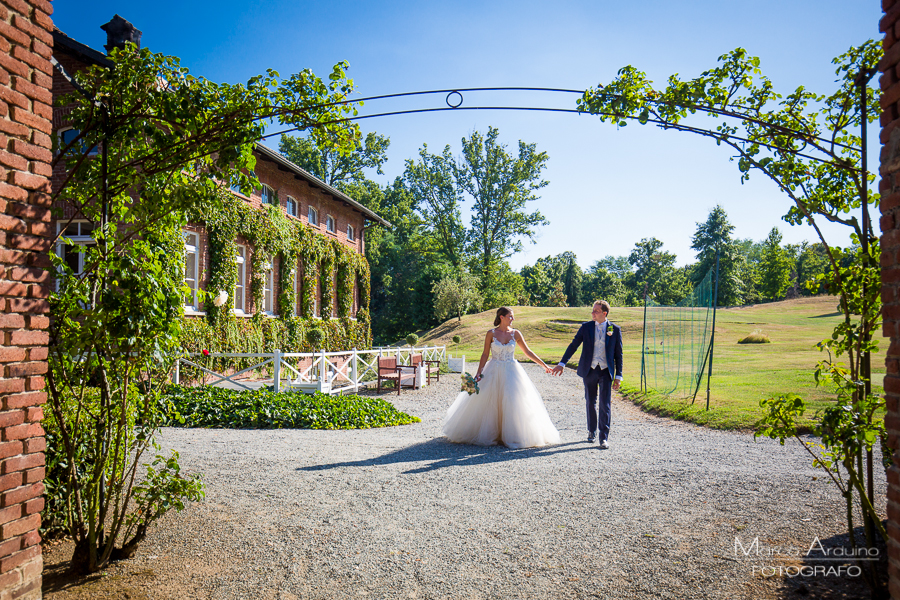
x,y
456,339
264,409
315,337
757,337
411,339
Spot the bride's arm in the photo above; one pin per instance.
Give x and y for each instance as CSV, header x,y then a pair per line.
x,y
486,354
528,352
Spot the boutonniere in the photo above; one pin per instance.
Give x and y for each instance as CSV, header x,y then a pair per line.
x,y
609,329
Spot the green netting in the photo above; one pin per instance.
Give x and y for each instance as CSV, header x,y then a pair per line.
x,y
676,340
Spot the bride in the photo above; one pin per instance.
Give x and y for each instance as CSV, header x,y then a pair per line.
x,y
508,408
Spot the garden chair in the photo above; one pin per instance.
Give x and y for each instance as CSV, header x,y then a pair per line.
x,y
401,375
417,360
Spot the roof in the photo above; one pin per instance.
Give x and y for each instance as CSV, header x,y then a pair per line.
x,y
286,165
69,46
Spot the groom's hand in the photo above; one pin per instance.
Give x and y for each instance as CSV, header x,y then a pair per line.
x,y
558,370
615,385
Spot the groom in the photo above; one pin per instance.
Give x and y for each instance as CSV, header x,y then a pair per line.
x,y
600,367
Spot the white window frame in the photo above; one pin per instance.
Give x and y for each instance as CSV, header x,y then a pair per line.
x,y
351,233
290,206
78,239
193,304
271,196
330,224
312,215
268,288
240,286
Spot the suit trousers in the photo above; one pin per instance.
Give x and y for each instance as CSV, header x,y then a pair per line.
x,y
598,401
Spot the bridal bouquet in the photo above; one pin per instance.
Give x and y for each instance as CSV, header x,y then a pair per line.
x,y
469,384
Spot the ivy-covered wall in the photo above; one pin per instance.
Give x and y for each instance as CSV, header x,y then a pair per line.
x,y
319,259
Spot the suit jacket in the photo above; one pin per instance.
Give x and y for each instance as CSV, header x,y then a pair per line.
x,y
585,338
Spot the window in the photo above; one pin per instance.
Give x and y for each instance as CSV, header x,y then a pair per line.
x,y
268,195
79,234
313,216
267,289
330,224
191,267
241,284
290,206
67,136
350,233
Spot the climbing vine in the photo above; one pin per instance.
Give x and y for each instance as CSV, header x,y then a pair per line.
x,y
271,234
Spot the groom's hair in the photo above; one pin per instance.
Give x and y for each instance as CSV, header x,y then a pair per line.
x,y
604,305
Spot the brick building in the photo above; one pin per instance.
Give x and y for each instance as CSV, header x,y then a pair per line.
x,y
25,128
889,187
298,194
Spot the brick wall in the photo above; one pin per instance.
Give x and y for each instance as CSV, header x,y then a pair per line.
x,y
889,187
25,128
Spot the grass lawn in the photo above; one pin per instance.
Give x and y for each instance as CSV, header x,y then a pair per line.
x,y
743,374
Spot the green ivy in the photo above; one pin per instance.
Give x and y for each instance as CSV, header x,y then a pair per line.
x,y
272,234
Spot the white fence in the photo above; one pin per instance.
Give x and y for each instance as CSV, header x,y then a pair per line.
x,y
328,372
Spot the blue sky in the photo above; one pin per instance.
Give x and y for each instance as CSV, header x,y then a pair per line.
x,y
646,182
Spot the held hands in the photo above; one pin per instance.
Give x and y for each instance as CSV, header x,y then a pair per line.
x,y
557,370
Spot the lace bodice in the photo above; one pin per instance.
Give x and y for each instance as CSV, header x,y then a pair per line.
x,y
503,352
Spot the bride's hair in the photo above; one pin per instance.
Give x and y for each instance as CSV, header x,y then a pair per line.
x,y
501,312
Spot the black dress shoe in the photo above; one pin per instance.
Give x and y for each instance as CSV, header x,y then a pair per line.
x,y
591,439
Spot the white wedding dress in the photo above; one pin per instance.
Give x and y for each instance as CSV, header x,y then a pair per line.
x,y
507,410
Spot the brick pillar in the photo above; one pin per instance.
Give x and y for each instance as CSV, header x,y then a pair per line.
x,y
25,121
889,187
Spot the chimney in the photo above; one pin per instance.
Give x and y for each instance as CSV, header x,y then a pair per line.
x,y
118,31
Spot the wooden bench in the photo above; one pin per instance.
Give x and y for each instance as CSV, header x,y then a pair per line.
x,y
401,375
418,360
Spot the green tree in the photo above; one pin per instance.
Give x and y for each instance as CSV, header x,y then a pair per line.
x,y
115,330
811,267
456,295
501,185
336,166
563,269
776,268
656,268
602,283
806,144
431,181
712,235
537,284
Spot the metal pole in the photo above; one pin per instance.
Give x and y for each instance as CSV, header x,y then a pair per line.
x,y
644,343
866,359
276,369
712,338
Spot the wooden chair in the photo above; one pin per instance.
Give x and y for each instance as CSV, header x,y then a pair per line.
x,y
389,370
418,360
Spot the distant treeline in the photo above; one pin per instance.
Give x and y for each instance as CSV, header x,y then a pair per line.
x,y
433,264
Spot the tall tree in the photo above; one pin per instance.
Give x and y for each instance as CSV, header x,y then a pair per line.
x,y
501,186
431,181
712,235
775,277
564,270
335,166
656,268
455,295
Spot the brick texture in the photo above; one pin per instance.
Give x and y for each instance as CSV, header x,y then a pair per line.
x,y
25,155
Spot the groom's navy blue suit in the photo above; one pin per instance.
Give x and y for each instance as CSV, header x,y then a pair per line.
x,y
597,381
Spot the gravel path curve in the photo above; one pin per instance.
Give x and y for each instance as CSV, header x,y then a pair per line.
x,y
402,513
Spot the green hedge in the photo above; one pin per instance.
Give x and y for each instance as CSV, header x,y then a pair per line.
x,y
264,409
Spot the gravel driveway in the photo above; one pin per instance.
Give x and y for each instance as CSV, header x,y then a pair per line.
x,y
402,513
